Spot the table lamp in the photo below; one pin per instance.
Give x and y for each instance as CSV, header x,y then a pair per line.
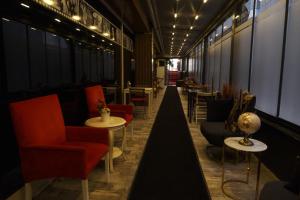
x,y
248,123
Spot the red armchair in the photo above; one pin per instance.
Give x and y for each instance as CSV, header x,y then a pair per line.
x,y
49,149
95,93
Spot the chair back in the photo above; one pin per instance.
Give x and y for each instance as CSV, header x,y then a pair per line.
x,y
137,92
137,95
204,96
38,121
93,94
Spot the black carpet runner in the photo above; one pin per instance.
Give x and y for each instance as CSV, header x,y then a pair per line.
x,y
169,168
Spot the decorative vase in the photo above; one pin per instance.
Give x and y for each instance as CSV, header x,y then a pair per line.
x,y
105,114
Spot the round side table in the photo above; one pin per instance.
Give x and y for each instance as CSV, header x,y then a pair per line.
x,y
113,124
233,143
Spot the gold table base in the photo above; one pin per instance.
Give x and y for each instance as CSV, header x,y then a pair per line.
x,y
248,154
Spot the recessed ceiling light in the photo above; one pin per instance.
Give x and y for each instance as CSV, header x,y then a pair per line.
x,y
25,5
184,40
175,15
191,27
93,27
5,19
93,36
49,2
57,20
77,29
76,17
174,26
173,33
110,44
103,40
196,17
205,1
32,28
172,38
187,35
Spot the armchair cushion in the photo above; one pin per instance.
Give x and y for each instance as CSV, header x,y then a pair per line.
x,y
215,132
86,134
69,159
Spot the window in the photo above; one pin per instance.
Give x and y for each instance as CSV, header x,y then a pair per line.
x,y
227,26
244,12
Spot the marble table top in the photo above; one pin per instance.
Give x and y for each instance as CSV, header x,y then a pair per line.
x,y
233,142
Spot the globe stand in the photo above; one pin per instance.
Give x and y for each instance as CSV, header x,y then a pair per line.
x,y
246,141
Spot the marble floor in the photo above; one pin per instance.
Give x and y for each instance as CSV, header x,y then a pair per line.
x,y
126,166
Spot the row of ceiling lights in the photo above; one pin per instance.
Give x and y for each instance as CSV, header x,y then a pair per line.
x,y
174,27
75,17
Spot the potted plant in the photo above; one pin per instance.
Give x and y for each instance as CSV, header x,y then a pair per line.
x,y
103,110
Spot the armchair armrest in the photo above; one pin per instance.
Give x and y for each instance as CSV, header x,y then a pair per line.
x,y
119,107
49,161
87,134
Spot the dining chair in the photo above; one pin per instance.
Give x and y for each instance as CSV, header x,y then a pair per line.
x,y
138,97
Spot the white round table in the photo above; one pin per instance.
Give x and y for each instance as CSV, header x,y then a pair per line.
x,y
113,124
233,143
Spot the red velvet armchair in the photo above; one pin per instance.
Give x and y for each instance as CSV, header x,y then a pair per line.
x,y
49,149
95,93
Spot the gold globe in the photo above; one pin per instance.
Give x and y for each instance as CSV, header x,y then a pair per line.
x,y
248,123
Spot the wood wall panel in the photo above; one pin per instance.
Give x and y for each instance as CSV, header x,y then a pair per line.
x,y
143,59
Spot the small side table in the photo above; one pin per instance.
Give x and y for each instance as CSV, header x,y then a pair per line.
x,y
113,124
233,143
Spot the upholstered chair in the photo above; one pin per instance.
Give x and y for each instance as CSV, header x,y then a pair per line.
x,y
94,94
49,149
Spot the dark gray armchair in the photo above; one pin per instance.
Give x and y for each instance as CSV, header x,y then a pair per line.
x,y
222,113
213,128
279,190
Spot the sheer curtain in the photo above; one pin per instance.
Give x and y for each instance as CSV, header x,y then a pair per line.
x,y
225,57
241,58
290,96
267,50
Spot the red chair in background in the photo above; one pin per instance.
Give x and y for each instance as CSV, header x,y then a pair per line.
x,y
49,149
94,94
137,97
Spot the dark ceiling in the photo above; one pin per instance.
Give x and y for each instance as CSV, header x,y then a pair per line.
x,y
186,12
158,15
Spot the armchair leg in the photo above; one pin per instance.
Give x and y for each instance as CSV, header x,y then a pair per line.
x,y
107,173
85,189
28,191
